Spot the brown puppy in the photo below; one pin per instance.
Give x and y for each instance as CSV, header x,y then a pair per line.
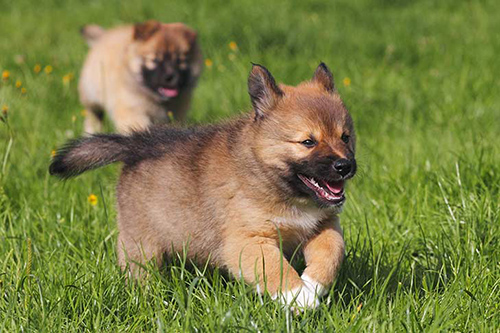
x,y
138,73
230,192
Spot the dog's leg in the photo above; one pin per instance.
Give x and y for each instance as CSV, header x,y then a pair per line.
x,y
128,121
323,254
134,255
93,120
263,265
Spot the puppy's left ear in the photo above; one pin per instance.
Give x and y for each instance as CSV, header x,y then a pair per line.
x,y
263,90
324,77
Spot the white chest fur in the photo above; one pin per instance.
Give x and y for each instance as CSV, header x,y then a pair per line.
x,y
302,218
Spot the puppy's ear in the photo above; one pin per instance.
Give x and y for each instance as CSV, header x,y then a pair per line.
x,y
324,78
144,30
263,90
191,36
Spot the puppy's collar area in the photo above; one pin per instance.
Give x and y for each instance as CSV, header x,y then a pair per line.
x,y
329,191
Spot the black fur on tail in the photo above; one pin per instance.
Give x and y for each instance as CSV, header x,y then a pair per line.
x,y
84,154
95,151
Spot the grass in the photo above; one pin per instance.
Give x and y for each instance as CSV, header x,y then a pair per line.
x,y
422,221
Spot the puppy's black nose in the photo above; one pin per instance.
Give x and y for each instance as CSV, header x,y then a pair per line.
x,y
170,78
342,166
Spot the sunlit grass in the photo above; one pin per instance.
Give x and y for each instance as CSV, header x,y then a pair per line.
x,y
422,220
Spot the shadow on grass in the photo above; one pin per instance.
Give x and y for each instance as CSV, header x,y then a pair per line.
x,y
371,271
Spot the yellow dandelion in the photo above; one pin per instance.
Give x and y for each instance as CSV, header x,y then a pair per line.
x,y
359,307
83,112
67,78
5,75
73,119
209,63
170,116
92,199
5,109
23,90
48,69
53,153
233,46
347,82
18,84
37,68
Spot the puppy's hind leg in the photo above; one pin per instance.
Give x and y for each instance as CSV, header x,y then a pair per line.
x,y
93,120
134,255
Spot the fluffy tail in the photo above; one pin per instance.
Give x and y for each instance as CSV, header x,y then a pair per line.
x,y
89,153
92,33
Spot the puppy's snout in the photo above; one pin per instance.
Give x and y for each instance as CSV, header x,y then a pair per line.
x,y
343,166
170,78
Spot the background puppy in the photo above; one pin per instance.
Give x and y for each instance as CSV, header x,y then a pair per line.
x,y
237,193
138,73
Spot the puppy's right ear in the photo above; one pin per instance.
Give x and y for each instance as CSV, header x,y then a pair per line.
x,y
263,90
324,77
144,30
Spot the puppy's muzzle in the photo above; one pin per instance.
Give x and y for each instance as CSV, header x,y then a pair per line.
x,y
344,167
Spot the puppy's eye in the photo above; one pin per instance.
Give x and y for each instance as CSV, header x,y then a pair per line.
x,y
345,138
309,143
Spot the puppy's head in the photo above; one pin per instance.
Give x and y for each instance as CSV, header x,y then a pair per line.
x,y
165,58
304,135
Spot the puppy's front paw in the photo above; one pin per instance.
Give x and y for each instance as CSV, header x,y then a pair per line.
x,y
305,296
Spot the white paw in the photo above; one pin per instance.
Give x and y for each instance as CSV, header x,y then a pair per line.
x,y
305,296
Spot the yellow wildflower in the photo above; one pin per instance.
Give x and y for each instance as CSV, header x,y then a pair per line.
x,y
359,307
208,63
48,69
347,82
67,78
92,199
53,153
83,112
37,68
5,75
18,84
5,109
170,116
23,90
233,46
231,56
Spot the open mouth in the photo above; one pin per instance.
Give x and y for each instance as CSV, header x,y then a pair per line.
x,y
331,192
167,92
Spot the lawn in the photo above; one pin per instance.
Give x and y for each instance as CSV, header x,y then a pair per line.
x,y
422,219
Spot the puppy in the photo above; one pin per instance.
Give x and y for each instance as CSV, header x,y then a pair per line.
x,y
138,73
242,195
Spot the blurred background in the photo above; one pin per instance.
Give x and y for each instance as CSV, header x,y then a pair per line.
x,y
420,79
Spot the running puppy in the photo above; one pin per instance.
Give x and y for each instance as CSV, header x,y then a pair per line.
x,y
138,73
231,191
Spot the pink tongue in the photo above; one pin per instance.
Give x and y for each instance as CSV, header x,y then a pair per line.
x,y
335,187
168,92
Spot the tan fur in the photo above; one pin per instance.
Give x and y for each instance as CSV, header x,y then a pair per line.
x,y
111,76
218,197
236,194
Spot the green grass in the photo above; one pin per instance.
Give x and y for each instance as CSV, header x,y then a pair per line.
x,y
422,221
